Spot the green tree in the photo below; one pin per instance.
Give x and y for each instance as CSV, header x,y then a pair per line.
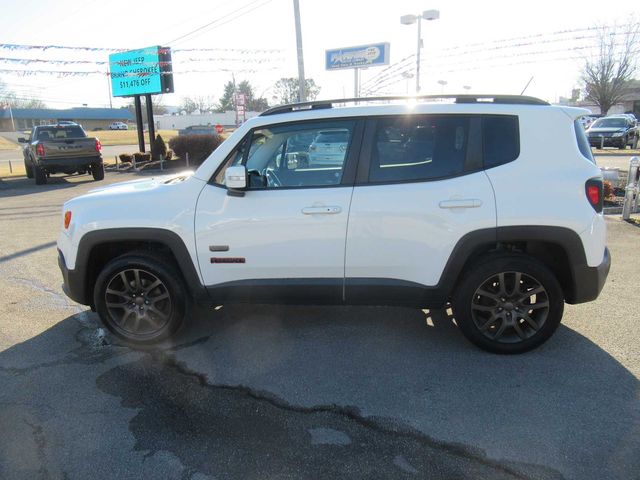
x,y
227,101
286,90
253,104
607,75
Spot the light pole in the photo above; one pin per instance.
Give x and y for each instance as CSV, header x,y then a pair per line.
x,y
410,20
407,75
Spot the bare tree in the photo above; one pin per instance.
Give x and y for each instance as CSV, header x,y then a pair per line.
x,y
9,97
157,105
606,76
202,103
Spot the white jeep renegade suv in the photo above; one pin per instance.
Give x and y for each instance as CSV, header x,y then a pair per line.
x,y
491,203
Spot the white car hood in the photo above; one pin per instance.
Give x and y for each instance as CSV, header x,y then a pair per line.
x,y
141,184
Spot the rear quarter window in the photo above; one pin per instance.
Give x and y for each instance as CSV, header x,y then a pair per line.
x,y
583,143
500,139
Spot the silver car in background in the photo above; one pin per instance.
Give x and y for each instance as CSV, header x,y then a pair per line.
x,y
329,148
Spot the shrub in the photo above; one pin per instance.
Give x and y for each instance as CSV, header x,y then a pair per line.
x,y
158,148
607,189
199,147
126,157
140,157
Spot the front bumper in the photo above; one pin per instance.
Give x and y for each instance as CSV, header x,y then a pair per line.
x,y
608,141
73,282
588,281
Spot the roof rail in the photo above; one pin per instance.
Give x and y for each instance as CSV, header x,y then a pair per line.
x,y
322,104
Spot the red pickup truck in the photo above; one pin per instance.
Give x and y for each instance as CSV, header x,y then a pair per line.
x,y
61,149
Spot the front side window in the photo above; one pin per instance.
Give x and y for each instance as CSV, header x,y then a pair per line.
x,y
294,155
417,148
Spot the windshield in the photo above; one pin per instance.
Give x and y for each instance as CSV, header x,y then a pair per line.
x,y
610,123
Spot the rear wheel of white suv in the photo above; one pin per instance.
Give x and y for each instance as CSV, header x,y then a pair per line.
x,y
141,297
508,303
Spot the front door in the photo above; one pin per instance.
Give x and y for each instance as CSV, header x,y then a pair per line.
x,y
285,238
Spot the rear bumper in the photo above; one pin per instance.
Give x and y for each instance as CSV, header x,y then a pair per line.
x,y
588,281
72,282
68,162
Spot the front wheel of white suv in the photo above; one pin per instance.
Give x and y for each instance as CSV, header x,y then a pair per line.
x,y
140,297
508,303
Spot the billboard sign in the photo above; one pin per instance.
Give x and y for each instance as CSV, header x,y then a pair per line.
x,y
362,56
141,72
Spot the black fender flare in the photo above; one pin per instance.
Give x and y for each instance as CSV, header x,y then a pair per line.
x,y
77,280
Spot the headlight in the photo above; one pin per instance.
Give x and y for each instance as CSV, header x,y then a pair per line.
x,y
618,134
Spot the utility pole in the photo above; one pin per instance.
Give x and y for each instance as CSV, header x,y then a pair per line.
x,y
302,96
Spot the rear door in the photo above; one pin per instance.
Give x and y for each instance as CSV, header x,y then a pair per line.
x,y
420,188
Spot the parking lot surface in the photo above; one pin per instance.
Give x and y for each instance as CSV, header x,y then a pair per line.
x,y
303,392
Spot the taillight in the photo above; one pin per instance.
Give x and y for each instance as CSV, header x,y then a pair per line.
x,y
67,219
98,146
40,150
593,190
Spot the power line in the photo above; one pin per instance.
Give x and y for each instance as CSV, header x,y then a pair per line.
x,y
217,20
16,46
27,61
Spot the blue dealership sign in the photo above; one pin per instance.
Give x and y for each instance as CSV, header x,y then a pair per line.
x,y
140,72
357,57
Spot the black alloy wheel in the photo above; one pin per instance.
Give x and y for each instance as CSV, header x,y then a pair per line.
x,y
141,297
508,303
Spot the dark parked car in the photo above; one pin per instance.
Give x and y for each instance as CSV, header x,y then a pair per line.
x,y
615,131
198,130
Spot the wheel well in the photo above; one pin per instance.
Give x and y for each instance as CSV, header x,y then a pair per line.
x,y
102,253
552,255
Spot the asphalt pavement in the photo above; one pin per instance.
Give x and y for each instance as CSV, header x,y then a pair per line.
x,y
303,391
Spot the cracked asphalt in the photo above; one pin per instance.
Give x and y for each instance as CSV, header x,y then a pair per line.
x,y
303,392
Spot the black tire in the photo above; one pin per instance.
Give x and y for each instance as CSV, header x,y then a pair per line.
x,y
97,170
634,144
40,175
123,312
479,299
28,168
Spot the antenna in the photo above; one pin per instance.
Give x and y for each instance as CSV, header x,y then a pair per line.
x,y
527,85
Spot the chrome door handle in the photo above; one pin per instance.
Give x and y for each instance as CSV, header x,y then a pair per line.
x,y
321,210
463,203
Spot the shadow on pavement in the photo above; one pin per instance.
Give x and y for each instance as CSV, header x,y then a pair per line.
x,y
314,392
18,186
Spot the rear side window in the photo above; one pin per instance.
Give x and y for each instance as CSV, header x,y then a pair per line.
x,y
417,148
583,143
500,139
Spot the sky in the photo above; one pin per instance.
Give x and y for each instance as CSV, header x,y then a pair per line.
x,y
488,46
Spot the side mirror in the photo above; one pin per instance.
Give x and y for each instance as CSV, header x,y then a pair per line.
x,y
22,140
235,178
